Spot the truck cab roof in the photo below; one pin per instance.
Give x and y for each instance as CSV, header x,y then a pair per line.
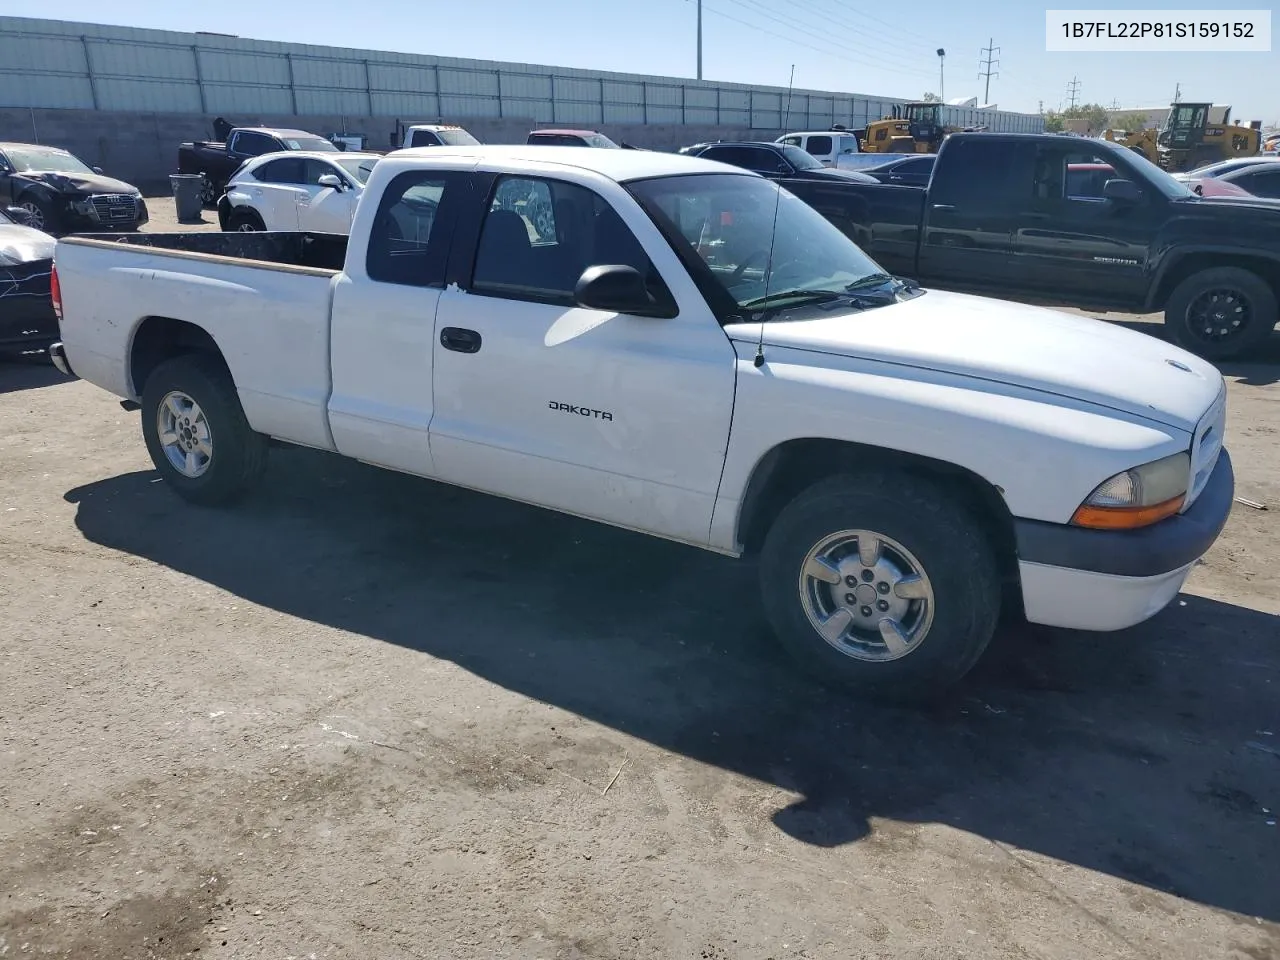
x,y
617,165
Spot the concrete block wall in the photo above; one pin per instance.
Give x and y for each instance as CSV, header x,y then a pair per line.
x,y
142,148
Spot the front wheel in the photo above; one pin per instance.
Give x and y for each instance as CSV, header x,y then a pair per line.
x,y
41,215
882,584
196,431
1221,312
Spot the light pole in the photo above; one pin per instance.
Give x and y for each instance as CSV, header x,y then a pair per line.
x,y
942,59
699,39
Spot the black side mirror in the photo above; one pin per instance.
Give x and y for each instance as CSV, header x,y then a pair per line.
x,y
97,170
614,287
1124,191
18,215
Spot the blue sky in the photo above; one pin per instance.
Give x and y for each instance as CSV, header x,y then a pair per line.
x,y
873,48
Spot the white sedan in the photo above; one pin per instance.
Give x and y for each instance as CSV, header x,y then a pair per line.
x,y
296,190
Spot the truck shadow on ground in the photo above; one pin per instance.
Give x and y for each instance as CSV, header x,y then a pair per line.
x,y
28,373
1126,754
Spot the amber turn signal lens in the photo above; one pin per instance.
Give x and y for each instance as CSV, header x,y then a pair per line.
x,y
1125,518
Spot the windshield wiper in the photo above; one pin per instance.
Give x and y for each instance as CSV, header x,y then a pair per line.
x,y
870,280
801,296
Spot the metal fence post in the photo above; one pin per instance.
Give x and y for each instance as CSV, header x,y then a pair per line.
x,y
368,87
293,90
88,72
195,59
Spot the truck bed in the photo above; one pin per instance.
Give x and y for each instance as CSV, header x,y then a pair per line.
x,y
321,251
265,298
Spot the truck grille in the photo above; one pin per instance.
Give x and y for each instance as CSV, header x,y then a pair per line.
x,y
115,207
1206,446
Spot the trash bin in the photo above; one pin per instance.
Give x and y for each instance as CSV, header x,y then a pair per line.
x,y
186,195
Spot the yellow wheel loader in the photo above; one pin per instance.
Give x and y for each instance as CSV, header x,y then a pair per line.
x,y
1189,140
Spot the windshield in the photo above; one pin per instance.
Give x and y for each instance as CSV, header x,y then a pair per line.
x,y
800,159
358,167
1118,157
728,222
600,140
456,138
308,143
46,161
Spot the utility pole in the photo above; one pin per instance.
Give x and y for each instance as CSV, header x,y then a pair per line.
x,y
987,53
1073,89
942,82
699,39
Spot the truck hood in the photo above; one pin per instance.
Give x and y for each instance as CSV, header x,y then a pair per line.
x,y
1031,347
79,183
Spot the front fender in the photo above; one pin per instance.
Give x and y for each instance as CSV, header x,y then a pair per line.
x,y
1044,454
1171,258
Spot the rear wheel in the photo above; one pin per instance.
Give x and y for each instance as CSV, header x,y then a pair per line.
x,y
196,431
882,584
245,220
1221,312
209,192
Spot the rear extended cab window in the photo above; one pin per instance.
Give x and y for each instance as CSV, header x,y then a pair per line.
x,y
412,231
982,170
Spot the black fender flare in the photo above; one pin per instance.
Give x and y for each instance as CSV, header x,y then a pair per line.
x,y
1181,252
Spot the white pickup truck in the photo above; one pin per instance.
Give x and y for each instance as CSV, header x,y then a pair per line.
x,y
681,348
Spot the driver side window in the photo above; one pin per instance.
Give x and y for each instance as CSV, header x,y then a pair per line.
x,y
539,235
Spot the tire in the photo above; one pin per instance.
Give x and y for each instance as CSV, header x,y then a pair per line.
x,y
1192,314
946,621
244,220
209,192
236,454
43,215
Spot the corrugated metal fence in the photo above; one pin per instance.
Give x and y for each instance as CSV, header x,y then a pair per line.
x,y
59,64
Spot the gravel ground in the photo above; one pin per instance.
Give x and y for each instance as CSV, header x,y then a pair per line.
x,y
365,715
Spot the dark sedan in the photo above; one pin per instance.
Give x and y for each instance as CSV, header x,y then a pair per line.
x,y
912,170
62,194
777,161
27,320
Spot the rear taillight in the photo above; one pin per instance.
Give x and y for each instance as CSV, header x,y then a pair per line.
x,y
55,293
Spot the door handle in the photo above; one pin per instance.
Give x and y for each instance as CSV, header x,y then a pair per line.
x,y
944,206
460,340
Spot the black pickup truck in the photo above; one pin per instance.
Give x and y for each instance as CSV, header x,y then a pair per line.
x,y
218,160
1084,223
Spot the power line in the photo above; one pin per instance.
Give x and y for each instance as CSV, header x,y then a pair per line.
x,y
881,28
1073,89
761,9
840,50
987,53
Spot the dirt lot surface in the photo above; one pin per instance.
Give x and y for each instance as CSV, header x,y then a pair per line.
x,y
363,715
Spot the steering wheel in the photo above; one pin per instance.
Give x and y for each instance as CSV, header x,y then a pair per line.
x,y
746,262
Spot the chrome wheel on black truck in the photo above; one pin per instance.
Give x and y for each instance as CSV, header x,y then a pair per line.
x,y
881,583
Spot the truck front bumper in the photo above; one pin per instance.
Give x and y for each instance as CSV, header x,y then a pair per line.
x,y
1109,580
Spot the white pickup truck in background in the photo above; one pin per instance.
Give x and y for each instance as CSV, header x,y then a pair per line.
x,y
681,348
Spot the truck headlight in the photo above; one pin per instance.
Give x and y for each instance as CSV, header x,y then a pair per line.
x,y
1137,497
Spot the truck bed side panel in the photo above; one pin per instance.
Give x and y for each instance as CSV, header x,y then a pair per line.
x,y
884,220
271,323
